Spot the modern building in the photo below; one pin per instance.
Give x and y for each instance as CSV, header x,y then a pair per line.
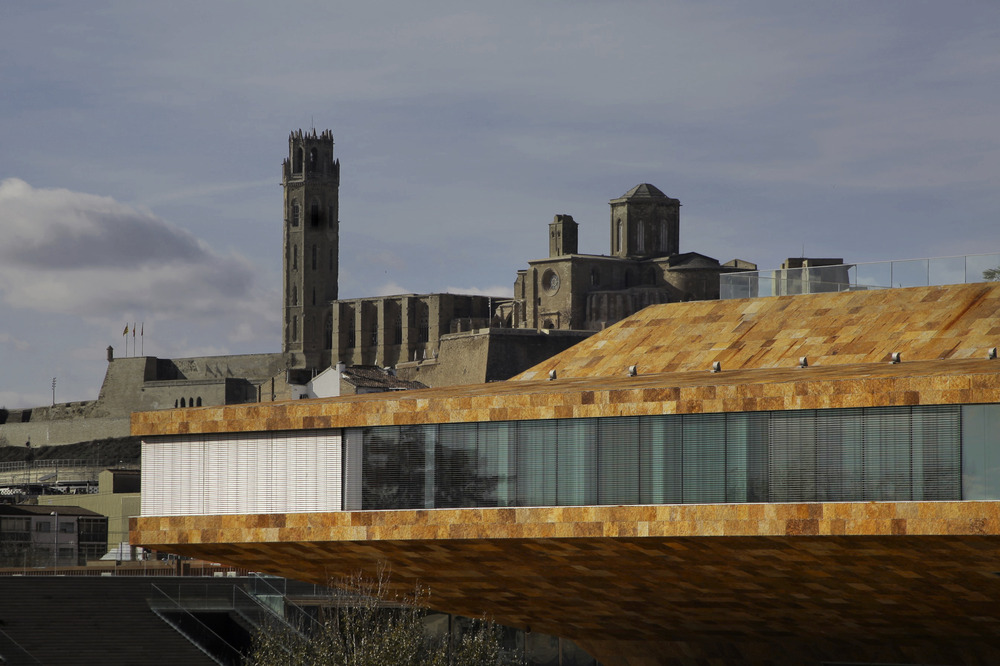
x,y
50,536
117,499
809,479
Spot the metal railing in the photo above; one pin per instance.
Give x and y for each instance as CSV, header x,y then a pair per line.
x,y
926,272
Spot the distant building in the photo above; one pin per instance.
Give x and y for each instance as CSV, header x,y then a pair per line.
x,y
45,536
117,498
573,291
435,339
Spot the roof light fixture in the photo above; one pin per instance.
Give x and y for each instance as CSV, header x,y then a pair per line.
x,y
632,371
803,362
716,366
992,353
552,375
895,357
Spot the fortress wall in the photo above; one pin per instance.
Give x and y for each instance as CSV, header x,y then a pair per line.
x,y
64,431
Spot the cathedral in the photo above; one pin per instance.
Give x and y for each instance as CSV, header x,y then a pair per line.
x,y
410,340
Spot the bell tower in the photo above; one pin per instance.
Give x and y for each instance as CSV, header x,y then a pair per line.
x,y
645,223
311,183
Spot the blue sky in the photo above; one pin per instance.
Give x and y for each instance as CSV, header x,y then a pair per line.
x,y
141,143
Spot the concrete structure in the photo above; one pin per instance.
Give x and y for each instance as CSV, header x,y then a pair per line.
x,y
827,493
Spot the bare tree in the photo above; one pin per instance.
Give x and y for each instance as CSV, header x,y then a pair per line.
x,y
376,628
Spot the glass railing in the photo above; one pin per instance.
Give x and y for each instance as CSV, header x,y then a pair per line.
x,y
857,277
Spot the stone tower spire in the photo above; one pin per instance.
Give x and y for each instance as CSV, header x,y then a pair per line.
x,y
563,235
311,181
645,223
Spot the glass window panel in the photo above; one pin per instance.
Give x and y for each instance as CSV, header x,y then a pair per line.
x,y
537,462
910,273
948,270
839,447
793,456
619,461
981,452
886,473
393,472
577,460
661,472
496,442
458,481
977,264
936,460
746,457
704,458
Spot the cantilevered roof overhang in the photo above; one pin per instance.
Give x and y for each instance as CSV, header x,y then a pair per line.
x,y
913,582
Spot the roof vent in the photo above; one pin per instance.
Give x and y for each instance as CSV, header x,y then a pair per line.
x,y
633,370
992,353
803,362
716,366
552,375
895,358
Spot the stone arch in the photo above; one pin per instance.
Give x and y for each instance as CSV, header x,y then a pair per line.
x,y
297,161
183,403
296,213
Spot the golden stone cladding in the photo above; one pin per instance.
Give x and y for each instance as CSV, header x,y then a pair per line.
x,y
943,334
951,381
847,328
662,584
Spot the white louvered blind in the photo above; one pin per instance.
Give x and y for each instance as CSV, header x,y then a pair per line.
x,y
237,474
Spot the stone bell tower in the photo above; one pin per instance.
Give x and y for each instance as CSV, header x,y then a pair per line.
x,y
311,182
645,223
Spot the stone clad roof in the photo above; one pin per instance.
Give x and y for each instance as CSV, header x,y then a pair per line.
x,y
922,323
643,191
374,377
943,334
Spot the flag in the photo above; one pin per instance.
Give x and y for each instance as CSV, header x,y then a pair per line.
x,y
125,332
133,331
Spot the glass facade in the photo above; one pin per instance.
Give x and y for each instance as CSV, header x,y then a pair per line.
x,y
887,454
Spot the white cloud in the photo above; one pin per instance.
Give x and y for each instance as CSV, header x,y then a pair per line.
x,y
72,252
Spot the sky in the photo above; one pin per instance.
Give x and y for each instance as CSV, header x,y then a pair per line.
x,y
141,147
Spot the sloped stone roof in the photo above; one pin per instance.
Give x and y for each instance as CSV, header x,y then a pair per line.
x,y
922,323
374,377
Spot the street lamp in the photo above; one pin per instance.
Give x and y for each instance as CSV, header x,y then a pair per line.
x,y
55,542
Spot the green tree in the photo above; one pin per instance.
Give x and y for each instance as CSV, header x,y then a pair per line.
x,y
376,628
992,274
